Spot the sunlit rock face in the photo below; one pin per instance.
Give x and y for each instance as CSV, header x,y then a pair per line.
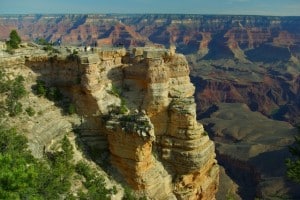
x,y
140,105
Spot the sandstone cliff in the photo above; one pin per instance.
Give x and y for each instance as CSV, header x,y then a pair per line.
x,y
139,103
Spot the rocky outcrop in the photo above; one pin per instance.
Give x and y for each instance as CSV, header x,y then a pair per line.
x,y
167,100
140,105
186,142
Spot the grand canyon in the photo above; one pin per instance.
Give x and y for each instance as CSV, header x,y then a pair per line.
x,y
211,95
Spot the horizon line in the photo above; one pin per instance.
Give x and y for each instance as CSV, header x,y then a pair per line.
x,y
116,13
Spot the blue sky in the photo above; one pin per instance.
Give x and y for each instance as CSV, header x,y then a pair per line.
x,y
256,7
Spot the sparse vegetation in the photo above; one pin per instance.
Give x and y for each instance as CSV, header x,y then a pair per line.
x,y
128,194
30,111
71,109
229,196
4,84
13,107
14,90
122,109
115,91
134,123
54,94
94,183
40,88
204,133
42,41
17,88
293,164
73,56
47,46
40,112
51,93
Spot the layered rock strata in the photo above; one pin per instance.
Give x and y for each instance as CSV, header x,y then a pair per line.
x,y
212,36
140,104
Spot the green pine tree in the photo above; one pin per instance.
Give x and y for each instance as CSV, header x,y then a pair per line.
x,y
14,40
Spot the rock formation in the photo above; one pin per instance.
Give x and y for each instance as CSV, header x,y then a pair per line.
x,y
271,89
191,33
140,104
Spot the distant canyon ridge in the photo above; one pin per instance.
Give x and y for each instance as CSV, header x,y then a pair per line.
x,y
211,36
233,59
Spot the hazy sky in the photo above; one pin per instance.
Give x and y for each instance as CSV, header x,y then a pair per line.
x,y
256,7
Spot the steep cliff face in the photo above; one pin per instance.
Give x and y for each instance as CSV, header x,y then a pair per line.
x,y
140,105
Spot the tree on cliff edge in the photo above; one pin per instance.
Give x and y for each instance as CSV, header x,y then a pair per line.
x,y
14,39
293,165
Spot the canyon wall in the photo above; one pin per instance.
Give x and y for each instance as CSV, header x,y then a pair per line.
x,y
212,36
262,46
140,105
272,89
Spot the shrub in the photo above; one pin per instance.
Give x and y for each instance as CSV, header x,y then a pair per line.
x,y
48,48
13,107
73,56
71,109
17,89
42,41
54,94
51,93
14,90
115,91
83,169
123,108
204,133
41,88
94,183
14,40
293,164
11,141
4,84
30,111
128,194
